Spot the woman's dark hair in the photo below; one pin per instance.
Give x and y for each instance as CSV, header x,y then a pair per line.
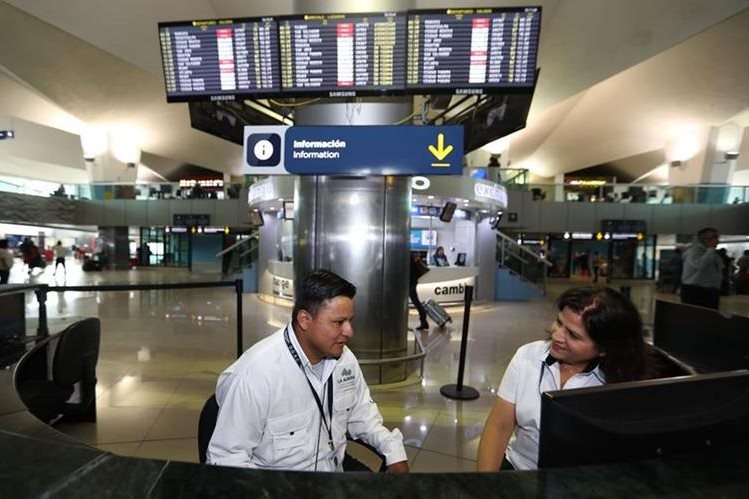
x,y
318,287
4,243
615,326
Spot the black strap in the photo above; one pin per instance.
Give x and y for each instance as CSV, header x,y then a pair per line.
x,y
328,383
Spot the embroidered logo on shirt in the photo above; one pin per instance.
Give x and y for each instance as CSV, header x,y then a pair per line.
x,y
347,376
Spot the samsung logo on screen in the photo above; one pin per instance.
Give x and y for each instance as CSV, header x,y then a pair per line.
x,y
469,91
215,98
342,93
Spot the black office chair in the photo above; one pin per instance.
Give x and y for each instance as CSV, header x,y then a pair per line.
x,y
207,423
73,363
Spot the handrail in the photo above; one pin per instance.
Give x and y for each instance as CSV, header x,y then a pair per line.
x,y
238,243
523,248
404,358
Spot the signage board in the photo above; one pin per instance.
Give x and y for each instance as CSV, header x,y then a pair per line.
x,y
446,291
353,150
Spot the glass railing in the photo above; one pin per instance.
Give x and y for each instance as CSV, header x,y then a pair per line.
x,y
641,193
241,255
100,191
522,261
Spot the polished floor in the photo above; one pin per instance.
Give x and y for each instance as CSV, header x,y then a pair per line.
x,y
161,352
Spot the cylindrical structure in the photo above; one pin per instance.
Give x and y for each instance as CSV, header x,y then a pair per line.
x,y
358,227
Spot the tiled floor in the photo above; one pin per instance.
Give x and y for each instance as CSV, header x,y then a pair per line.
x,y
161,352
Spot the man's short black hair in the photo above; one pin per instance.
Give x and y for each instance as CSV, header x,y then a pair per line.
x,y
318,287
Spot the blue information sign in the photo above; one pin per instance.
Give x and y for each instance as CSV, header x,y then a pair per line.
x,y
353,150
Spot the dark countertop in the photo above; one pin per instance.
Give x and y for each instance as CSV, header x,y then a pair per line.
x,y
37,460
32,467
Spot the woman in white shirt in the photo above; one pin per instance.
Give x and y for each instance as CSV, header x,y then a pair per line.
x,y
596,339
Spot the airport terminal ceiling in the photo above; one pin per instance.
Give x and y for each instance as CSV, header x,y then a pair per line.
x,y
614,75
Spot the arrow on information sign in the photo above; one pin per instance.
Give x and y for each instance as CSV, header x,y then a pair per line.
x,y
441,151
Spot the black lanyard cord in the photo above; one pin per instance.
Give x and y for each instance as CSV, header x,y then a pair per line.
x,y
328,384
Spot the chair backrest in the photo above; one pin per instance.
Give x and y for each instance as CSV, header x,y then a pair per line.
x,y
77,353
206,425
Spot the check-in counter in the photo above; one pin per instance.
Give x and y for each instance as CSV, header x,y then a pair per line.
x,y
446,284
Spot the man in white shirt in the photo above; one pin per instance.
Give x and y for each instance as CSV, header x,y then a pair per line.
x,y
288,401
702,271
61,252
6,261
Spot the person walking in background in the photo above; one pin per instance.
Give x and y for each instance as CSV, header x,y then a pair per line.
x,y
677,264
702,271
61,252
417,269
598,263
6,261
742,278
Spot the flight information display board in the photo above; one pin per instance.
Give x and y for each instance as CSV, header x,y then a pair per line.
x,y
472,51
343,55
220,59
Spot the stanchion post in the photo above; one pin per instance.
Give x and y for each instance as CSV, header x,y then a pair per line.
x,y
41,297
459,391
239,288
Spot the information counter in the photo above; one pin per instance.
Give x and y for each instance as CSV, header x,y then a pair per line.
x,y
446,284
277,281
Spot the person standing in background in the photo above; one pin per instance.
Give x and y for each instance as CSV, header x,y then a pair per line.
x,y
61,252
702,271
6,261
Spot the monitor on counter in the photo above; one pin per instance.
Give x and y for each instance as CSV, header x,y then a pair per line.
x,y
473,51
644,419
12,316
343,55
220,59
460,261
256,218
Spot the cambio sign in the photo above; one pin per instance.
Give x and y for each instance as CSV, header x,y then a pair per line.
x,y
446,291
283,287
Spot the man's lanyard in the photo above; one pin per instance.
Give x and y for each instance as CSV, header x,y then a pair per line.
x,y
329,384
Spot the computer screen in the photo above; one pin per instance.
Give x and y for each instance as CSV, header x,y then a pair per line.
x,y
460,261
423,238
256,218
473,51
701,337
644,419
220,59
12,316
288,210
446,215
343,55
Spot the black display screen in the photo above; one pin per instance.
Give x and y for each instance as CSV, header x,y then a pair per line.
x,y
473,51
343,55
220,59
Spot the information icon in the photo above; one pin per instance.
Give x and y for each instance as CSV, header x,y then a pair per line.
x,y
263,149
